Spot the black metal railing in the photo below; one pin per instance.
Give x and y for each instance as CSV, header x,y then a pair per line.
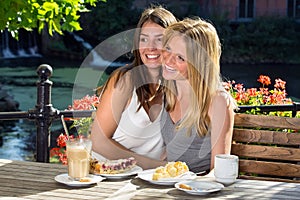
x,y
44,113
295,107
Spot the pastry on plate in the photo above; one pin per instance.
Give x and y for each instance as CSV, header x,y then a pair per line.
x,y
185,186
111,166
171,169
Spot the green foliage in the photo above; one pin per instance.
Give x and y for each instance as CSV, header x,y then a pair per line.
x,y
82,125
108,19
221,22
264,40
55,15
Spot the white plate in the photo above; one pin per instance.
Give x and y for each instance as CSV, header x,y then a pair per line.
x,y
200,187
65,179
132,171
146,175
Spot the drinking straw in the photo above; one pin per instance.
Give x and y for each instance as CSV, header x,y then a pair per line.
x,y
65,126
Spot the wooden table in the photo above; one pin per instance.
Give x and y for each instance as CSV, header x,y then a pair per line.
x,y
33,180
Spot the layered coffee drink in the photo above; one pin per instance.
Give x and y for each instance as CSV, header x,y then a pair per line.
x,y
78,154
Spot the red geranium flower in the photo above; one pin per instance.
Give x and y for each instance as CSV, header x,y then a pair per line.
x,y
261,95
252,92
265,80
61,140
54,151
86,103
279,84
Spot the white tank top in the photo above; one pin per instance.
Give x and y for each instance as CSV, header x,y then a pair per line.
x,y
137,133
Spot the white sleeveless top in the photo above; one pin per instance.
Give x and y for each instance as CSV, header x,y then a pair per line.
x,y
137,133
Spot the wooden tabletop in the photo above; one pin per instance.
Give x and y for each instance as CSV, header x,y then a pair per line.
x,y
34,180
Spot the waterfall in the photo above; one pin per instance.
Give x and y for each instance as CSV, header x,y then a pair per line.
x,y
81,40
5,46
26,46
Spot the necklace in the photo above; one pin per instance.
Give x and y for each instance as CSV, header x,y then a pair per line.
x,y
156,92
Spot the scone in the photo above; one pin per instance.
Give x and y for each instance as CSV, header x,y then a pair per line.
x,y
171,169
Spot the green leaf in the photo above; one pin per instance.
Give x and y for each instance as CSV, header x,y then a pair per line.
x,y
50,27
56,26
42,12
50,6
41,26
68,10
76,25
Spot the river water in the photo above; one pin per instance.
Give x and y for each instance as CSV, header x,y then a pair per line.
x,y
19,76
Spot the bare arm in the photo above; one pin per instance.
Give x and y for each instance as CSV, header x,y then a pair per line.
x,y
113,102
222,118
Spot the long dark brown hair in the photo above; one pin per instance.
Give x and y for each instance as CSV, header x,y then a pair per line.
x,y
139,73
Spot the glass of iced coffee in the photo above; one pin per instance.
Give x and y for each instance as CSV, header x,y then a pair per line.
x,y
78,155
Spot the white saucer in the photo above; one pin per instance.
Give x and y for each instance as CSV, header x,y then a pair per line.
x,y
146,175
65,179
200,187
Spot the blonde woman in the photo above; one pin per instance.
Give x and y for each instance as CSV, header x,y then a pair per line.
x,y
198,121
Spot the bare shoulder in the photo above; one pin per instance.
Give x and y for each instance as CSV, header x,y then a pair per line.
x,y
223,98
120,83
116,94
222,102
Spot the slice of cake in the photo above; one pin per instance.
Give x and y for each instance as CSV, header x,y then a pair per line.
x,y
112,166
171,169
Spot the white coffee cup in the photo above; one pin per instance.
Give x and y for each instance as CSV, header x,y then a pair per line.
x,y
226,168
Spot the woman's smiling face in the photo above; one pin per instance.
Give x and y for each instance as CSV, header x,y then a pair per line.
x,y
175,59
150,44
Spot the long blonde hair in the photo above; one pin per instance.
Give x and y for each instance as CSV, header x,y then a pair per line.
x,y
203,56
